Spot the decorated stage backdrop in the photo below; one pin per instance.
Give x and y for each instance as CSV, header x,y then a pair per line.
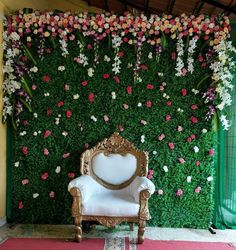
x,y
72,79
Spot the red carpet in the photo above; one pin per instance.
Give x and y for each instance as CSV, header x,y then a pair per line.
x,y
108,244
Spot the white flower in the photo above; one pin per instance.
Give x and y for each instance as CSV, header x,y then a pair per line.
x,y
209,178
154,152
196,149
46,94
14,36
59,115
61,68
94,118
165,168
195,91
22,133
113,95
107,59
150,55
35,133
204,131
58,169
28,39
34,69
225,122
90,72
17,164
57,121
35,115
139,104
142,138
65,133
180,53
76,96
189,179
180,110
35,195
39,132
160,74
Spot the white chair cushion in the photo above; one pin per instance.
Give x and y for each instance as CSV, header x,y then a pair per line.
x,y
113,203
114,168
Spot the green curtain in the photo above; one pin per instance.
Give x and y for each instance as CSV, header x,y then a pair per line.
x,y
225,195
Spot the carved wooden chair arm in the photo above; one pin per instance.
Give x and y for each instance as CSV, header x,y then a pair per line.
x,y
143,199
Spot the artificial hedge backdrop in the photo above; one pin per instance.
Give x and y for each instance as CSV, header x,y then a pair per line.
x,y
73,109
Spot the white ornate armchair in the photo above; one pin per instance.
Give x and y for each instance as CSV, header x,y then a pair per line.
x,y
113,187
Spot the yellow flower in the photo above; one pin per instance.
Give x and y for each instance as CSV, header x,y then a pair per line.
x,y
46,34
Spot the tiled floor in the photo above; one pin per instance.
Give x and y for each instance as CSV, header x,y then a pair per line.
x,y
66,232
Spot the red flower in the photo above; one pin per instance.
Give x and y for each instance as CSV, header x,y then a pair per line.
x,y
60,104
20,205
52,194
184,92
198,163
71,175
211,152
89,46
91,97
171,145
25,150
193,136
49,112
150,86
84,83
46,78
189,139
144,67
148,104
106,76
68,113
45,151
168,103
125,39
44,176
194,119
120,54
129,90
66,155
117,79
47,133
168,118
200,58
194,106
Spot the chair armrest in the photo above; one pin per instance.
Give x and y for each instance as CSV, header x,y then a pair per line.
x,y
86,185
139,184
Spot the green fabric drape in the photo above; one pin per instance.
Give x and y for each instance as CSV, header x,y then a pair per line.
x,y
225,195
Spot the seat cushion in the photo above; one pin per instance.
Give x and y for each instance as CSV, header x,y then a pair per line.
x,y
111,204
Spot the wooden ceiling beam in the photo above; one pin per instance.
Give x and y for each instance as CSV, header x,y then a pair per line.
x,y
170,6
220,5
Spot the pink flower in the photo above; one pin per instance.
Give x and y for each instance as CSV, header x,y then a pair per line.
x,y
194,106
148,104
91,97
194,119
150,86
173,55
168,103
198,190
117,79
129,90
126,106
46,78
20,205
144,67
184,71
160,192
68,113
189,139
25,181
161,137
66,155
193,136
44,176
150,173
179,128
25,150
184,92
71,175
49,112
198,163
89,46
45,151
168,117
52,194
171,145
211,152
34,87
84,83
143,122
106,118
47,133
106,76
162,88
66,87
86,145
200,58
120,54
60,104
179,192
181,160
121,128
25,123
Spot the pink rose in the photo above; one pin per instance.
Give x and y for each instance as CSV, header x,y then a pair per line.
x,y
120,54
66,155
49,112
184,71
20,205
44,176
181,160
168,117
60,104
194,106
68,113
45,151
150,86
179,128
121,128
52,194
91,97
173,55
171,145
161,137
162,88
193,136
179,192
129,90
47,133
198,163
117,79
200,58
126,106
106,118
25,150
106,76
160,192
144,67
194,119
184,92
34,87
84,83
25,181
198,189
168,103
211,152
143,122
89,46
189,139
71,175
148,104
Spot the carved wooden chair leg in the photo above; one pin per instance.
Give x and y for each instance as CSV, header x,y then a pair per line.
x,y
78,229
141,230
131,226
